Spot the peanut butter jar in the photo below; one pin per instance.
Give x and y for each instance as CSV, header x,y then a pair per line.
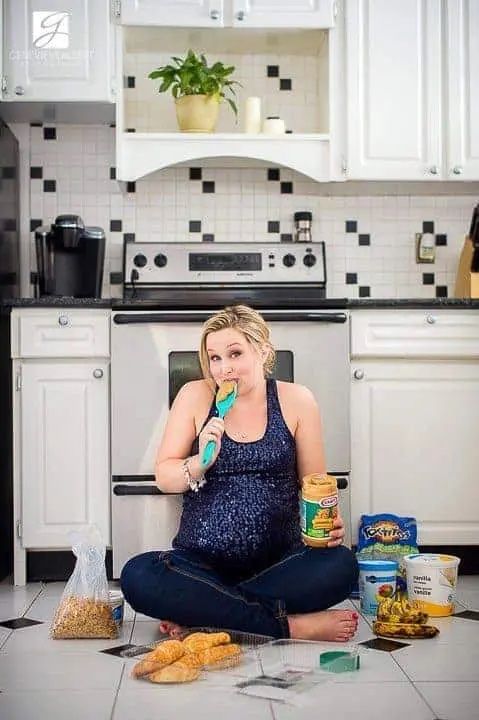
x,y
319,508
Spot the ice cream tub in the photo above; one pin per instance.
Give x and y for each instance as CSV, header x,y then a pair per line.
x,y
117,605
432,582
377,580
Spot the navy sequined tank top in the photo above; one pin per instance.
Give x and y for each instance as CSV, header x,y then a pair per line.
x,y
246,517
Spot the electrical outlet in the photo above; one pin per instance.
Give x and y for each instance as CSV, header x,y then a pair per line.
x,y
425,248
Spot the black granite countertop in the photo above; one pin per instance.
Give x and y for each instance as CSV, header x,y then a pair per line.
x,y
332,303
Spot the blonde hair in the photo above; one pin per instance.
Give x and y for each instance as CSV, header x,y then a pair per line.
x,y
249,323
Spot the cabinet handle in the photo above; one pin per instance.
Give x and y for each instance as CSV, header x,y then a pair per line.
x,y
240,15
358,374
431,319
457,170
434,170
63,320
215,14
19,90
98,373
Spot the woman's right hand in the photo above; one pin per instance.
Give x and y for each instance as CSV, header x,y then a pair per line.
x,y
213,430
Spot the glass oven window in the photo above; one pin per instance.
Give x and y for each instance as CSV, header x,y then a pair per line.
x,y
184,366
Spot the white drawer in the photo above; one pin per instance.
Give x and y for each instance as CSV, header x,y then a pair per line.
x,y
60,333
415,333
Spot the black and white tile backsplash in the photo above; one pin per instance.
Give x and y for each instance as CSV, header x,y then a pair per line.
x,y
370,239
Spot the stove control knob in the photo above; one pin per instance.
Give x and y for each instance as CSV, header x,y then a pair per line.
x,y
160,260
289,260
139,260
309,260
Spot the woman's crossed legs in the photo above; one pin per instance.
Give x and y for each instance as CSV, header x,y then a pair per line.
x,y
289,599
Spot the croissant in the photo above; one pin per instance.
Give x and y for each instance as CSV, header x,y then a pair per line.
x,y
196,642
177,672
164,654
213,656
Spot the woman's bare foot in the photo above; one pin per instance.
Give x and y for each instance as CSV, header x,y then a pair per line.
x,y
330,625
170,628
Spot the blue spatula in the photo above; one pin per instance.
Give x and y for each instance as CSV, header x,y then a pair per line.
x,y
225,397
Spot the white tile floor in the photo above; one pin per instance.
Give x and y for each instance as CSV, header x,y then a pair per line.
x,y
44,679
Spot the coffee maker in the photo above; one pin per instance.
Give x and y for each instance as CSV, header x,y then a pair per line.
x,y
70,258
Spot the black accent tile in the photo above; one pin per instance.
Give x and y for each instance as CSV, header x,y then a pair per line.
x,y
113,173
34,223
130,130
351,226
36,124
194,226
195,173
286,188
272,70
273,174
49,186
441,291
384,644
118,650
116,278
273,226
364,239
36,173
129,237
208,186
286,237
10,225
131,187
285,84
364,291
17,623
49,133
116,225
130,81
8,172
428,226
441,239
468,615
428,278
351,278
208,237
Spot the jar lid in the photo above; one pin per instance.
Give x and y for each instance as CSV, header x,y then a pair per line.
x,y
272,117
303,216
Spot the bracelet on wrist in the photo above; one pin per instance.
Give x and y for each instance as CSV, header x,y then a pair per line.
x,y
194,484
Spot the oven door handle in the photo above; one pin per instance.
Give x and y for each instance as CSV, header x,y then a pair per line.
x,y
132,318
122,490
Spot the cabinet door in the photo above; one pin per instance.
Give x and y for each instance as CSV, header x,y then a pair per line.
x,y
414,446
176,13
59,53
283,13
462,23
394,89
65,474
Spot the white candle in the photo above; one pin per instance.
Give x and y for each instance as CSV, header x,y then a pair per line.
x,y
252,115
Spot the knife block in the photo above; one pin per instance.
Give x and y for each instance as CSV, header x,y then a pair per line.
x,y
467,282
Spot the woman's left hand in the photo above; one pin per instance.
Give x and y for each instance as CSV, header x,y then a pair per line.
x,y
337,534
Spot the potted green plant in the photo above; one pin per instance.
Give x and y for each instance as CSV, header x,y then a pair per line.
x,y
197,89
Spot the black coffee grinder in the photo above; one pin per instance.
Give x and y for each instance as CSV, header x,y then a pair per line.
x,y
70,258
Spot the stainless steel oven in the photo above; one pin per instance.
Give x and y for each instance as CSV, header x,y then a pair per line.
x,y
154,351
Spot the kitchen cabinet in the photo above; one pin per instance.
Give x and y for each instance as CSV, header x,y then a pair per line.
x,y
296,74
62,53
61,427
412,97
414,414
236,13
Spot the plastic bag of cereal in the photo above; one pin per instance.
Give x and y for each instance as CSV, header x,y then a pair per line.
x,y
84,610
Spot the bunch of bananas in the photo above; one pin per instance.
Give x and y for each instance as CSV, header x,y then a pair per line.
x,y
397,617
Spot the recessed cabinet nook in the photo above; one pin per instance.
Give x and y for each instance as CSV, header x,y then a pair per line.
x,y
297,38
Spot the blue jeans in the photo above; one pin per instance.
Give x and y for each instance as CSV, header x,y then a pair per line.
x,y
177,586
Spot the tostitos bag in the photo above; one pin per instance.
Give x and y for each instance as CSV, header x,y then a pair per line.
x,y
388,537
84,610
